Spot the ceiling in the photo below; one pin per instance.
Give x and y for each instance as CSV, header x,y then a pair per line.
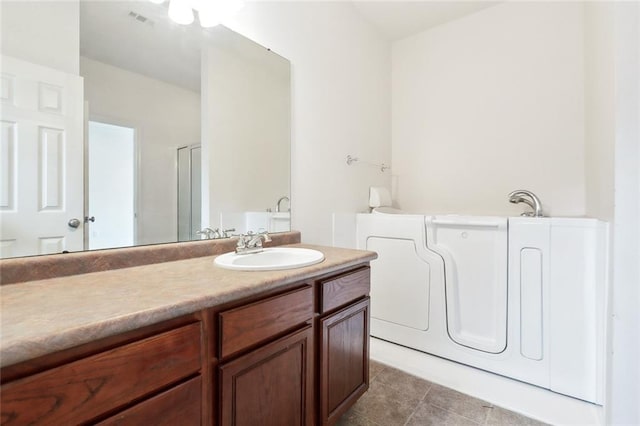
x,y
397,19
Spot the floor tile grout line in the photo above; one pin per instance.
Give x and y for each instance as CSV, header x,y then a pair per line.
x,y
369,420
457,414
419,403
486,417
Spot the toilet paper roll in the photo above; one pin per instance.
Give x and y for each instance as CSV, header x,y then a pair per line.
x,y
379,196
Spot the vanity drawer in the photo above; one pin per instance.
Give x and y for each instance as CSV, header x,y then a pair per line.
x,y
248,325
340,290
84,389
180,405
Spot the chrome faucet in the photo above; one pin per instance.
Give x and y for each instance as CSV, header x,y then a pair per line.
x,y
209,233
225,232
281,200
528,198
251,243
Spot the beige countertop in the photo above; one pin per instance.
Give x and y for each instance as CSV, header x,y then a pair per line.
x,y
41,317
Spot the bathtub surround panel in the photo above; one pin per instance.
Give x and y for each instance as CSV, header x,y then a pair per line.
x,y
578,286
527,303
476,114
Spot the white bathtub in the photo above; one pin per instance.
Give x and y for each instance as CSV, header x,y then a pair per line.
x,y
521,297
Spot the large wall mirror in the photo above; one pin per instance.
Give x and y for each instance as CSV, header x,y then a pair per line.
x,y
120,128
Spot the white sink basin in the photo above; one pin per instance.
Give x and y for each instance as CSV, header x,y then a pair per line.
x,y
270,259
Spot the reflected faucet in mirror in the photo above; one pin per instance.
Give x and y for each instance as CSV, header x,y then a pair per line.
x,y
213,234
209,233
285,198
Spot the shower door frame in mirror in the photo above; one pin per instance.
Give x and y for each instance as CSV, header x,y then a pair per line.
x,y
225,204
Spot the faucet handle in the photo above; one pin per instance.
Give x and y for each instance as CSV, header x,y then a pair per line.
x,y
243,240
207,232
265,235
225,232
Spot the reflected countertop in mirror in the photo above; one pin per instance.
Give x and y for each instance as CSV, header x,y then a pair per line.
x,y
121,128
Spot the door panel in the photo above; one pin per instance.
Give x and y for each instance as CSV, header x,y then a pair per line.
x,y
41,159
474,249
401,299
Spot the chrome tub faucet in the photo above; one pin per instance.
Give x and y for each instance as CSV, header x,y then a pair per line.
x,y
528,198
285,198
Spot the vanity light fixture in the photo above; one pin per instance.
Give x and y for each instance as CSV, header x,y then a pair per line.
x,y
210,12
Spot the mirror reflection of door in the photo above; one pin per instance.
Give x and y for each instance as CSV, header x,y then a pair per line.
x,y
111,186
40,159
189,192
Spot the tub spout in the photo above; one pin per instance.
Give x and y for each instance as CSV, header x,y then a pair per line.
x,y
528,198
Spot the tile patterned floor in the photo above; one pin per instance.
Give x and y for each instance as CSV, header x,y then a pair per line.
x,y
397,398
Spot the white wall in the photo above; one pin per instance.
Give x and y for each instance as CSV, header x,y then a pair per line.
x,y
45,33
150,106
340,104
246,130
624,352
490,103
599,109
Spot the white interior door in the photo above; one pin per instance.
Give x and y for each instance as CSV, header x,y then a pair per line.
x,y
41,159
111,183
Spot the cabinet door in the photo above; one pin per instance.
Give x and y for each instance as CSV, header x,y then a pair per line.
x,y
344,360
271,385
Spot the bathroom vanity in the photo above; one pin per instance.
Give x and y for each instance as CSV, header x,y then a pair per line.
x,y
188,343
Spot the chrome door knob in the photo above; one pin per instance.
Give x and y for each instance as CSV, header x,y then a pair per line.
x,y
74,223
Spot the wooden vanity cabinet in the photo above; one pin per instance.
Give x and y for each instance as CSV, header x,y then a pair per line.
x,y
344,343
291,357
310,375
137,377
266,352
271,385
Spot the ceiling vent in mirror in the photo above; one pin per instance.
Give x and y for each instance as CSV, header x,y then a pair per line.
x,y
210,12
141,18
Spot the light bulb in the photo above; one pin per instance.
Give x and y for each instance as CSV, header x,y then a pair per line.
x,y
180,12
213,13
209,16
